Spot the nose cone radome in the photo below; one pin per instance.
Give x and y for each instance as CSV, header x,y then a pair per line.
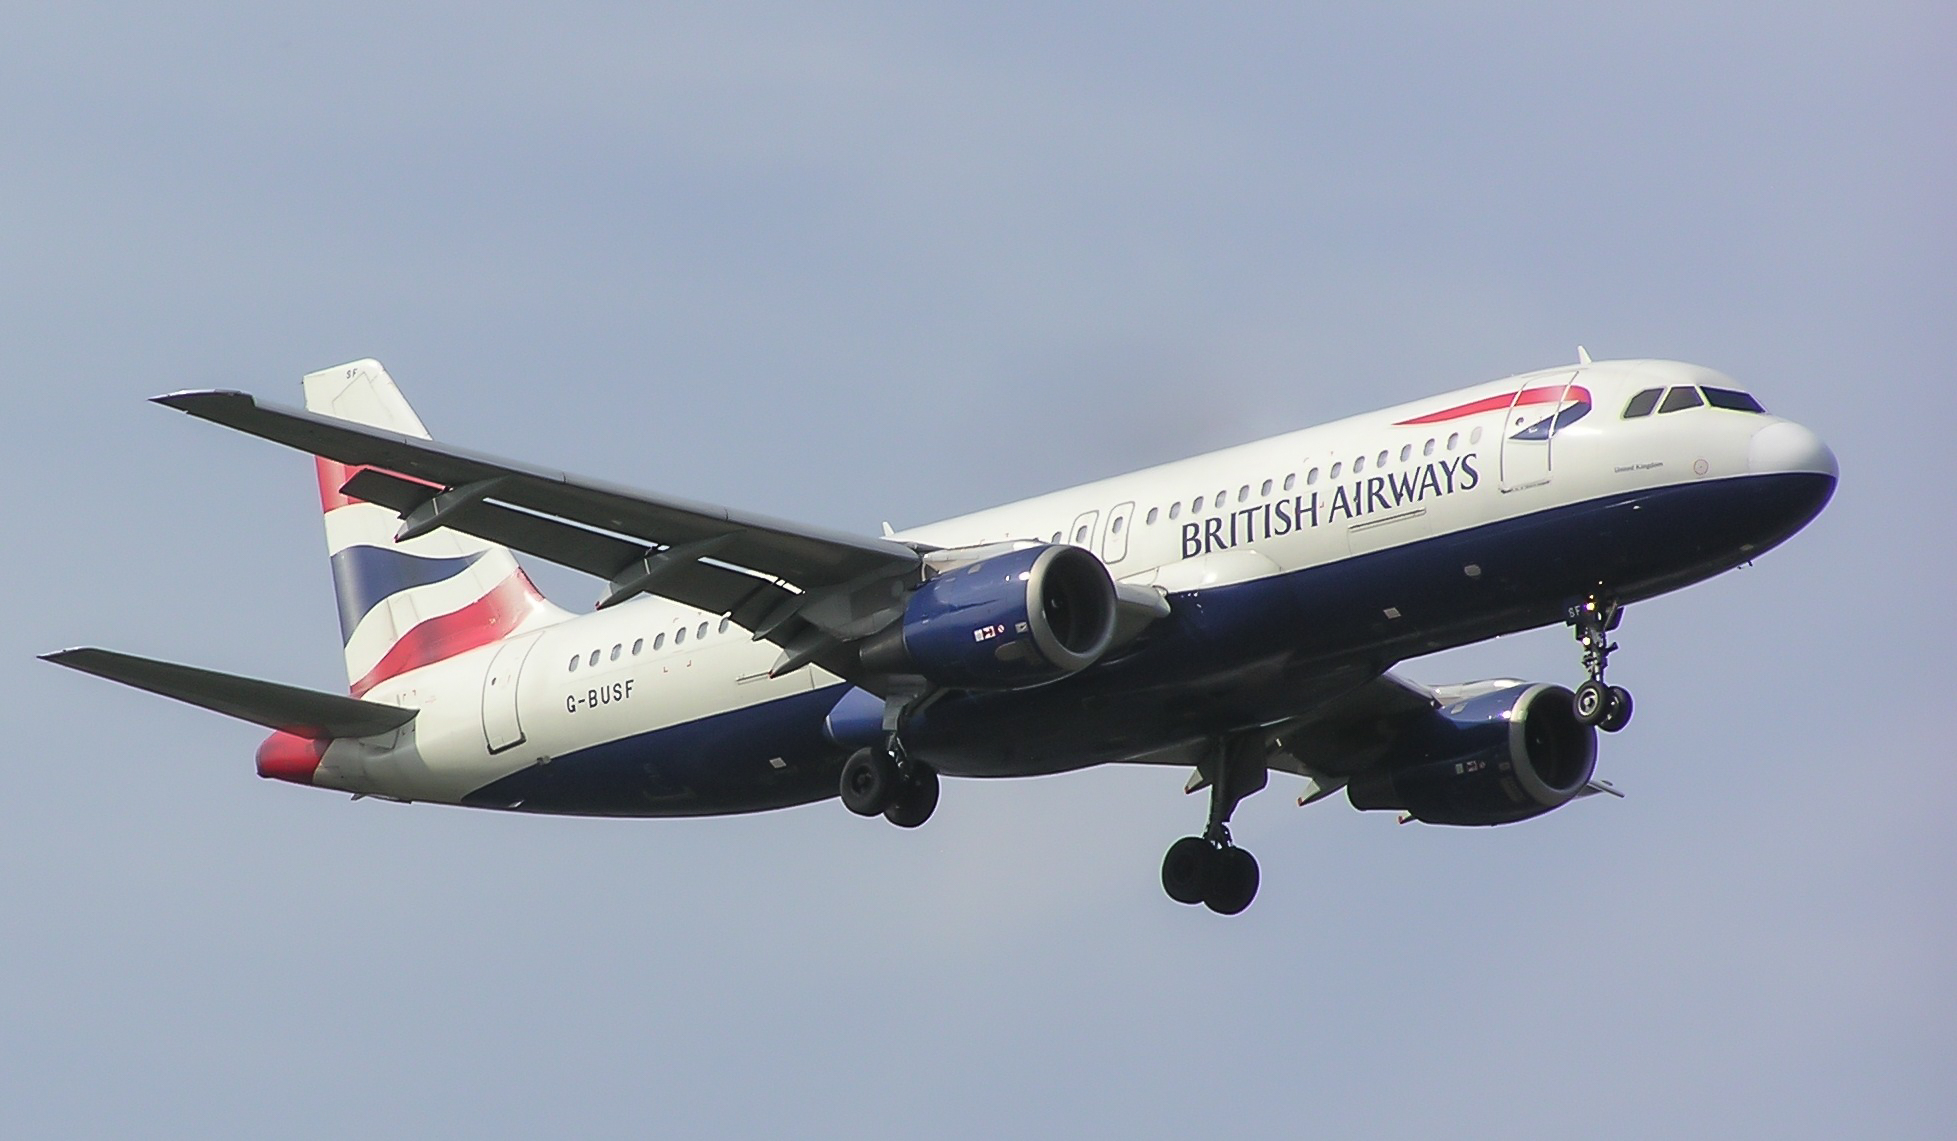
x,y
1786,447
284,756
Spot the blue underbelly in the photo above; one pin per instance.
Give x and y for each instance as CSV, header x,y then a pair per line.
x,y
1226,657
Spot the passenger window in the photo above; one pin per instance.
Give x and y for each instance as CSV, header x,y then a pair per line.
x,y
1428,450
679,636
725,623
1336,469
638,647
1114,528
1080,533
1359,465
1220,497
1406,451
1682,397
617,649
1290,480
1732,400
659,642
1311,476
1266,489
702,631
1381,461
574,663
1175,509
1196,506
1243,493
1453,440
1643,403
1474,437
1153,512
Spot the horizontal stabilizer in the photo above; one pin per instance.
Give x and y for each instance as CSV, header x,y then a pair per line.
x,y
286,708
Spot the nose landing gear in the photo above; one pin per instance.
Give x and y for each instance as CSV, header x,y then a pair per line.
x,y
1209,869
1608,707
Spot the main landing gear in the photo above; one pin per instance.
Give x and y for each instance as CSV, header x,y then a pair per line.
x,y
1608,707
886,781
883,781
1209,869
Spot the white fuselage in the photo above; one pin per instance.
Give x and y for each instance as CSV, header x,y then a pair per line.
x,y
1284,504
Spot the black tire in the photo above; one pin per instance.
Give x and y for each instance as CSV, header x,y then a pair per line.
x,y
1617,712
1233,881
869,783
1186,869
916,799
1591,703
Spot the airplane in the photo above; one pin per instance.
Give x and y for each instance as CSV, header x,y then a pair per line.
x,y
1236,613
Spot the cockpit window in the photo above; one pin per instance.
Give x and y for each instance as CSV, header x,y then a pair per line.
x,y
1680,397
1642,403
1732,400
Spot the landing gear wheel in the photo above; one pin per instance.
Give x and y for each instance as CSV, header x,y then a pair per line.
x,y
870,782
1209,869
1592,703
1617,710
916,798
1232,881
1185,870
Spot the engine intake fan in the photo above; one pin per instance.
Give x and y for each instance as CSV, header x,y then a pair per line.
x,y
1009,621
1494,759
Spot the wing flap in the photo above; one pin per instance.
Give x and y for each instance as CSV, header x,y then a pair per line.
x,y
287,708
715,589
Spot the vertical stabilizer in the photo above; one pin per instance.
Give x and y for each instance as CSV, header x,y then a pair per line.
x,y
407,605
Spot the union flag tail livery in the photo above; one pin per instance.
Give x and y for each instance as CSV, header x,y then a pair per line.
x,y
406,605
1234,612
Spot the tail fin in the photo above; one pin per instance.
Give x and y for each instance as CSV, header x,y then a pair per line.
x,y
408,605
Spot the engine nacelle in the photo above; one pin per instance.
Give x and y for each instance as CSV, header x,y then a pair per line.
x,y
1495,758
1008,621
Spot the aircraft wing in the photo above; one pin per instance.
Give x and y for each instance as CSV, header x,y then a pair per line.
x,y
804,588
1346,731
807,556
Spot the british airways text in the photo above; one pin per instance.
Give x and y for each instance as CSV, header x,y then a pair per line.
x,y
1356,500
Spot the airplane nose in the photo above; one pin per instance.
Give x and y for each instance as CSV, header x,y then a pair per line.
x,y
1787,447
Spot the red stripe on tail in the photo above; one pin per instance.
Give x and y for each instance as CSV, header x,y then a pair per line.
x,y
490,618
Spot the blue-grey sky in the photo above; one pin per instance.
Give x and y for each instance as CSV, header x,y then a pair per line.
x,y
868,262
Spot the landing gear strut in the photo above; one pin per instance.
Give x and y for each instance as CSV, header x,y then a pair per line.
x,y
1608,707
1209,869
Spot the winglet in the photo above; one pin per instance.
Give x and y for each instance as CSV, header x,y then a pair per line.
x,y
1582,355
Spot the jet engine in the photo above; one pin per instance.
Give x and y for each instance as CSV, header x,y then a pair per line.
x,y
1494,758
1008,621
